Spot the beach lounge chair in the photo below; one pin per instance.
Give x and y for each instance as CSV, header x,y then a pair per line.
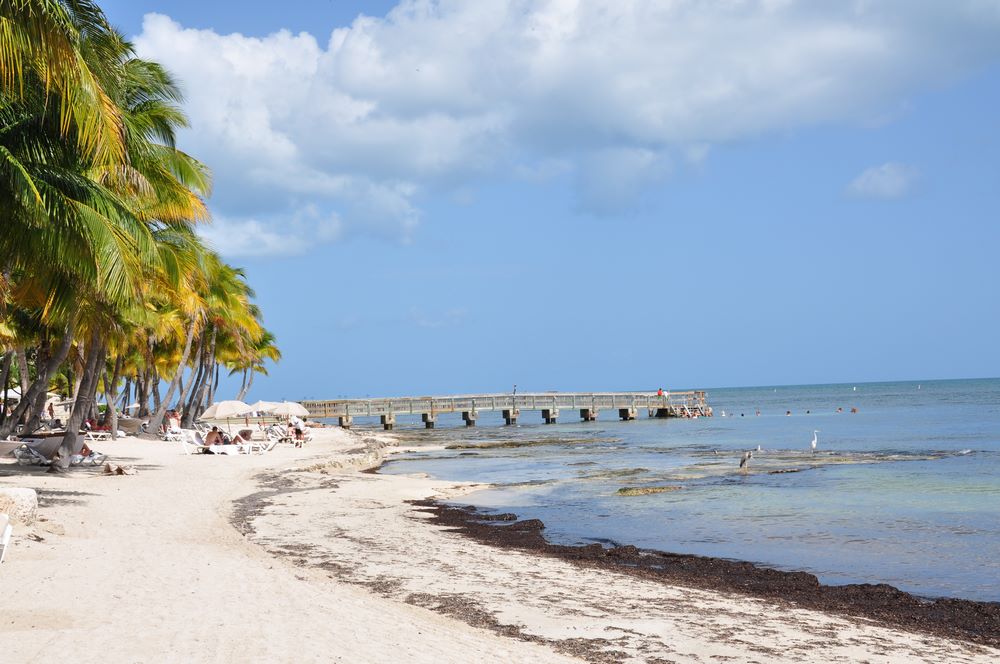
x,y
37,451
275,432
5,532
92,459
97,436
192,442
171,435
227,449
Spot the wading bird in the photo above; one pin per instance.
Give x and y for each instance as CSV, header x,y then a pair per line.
x,y
745,461
814,440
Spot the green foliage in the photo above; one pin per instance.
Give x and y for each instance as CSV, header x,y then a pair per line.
x,y
99,206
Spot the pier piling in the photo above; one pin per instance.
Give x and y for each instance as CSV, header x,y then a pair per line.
x,y
388,421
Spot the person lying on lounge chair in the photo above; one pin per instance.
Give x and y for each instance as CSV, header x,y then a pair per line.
x,y
87,456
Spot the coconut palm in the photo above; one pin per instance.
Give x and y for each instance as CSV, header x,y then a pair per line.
x,y
101,273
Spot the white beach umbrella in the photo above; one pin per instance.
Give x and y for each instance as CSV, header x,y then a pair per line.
x,y
289,408
263,406
224,410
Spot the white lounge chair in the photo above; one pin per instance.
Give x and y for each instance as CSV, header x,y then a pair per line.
x,y
97,436
228,449
173,434
92,459
191,442
5,532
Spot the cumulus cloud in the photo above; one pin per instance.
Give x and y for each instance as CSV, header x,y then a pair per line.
x,y
439,94
888,181
290,237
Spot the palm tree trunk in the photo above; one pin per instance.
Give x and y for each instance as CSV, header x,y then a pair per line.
x,y
193,382
111,397
77,364
243,387
22,369
8,360
215,386
71,443
157,419
154,380
250,382
41,383
194,407
142,393
126,393
102,378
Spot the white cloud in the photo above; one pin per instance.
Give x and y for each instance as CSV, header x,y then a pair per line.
x,y
251,237
437,95
888,181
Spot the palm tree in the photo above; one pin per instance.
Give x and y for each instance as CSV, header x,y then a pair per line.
x,y
99,262
253,362
41,50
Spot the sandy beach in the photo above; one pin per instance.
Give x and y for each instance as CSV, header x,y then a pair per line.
x,y
296,555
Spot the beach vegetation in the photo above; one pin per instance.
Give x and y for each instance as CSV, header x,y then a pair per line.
x,y
106,289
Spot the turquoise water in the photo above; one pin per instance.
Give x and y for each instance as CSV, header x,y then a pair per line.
x,y
906,491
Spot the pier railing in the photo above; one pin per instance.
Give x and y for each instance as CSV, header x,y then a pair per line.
x,y
669,404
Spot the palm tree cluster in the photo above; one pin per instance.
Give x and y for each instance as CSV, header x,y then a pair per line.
x,y
105,288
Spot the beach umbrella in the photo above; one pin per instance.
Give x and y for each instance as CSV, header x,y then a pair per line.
x,y
289,408
225,410
263,406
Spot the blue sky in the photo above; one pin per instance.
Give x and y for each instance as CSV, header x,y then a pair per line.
x,y
450,197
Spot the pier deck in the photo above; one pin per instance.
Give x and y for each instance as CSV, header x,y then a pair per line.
x,y
589,404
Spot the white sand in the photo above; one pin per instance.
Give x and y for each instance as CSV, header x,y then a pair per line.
x,y
148,568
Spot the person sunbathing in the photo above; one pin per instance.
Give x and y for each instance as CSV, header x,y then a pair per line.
x,y
214,437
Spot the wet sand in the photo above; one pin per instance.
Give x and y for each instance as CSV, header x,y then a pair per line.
x,y
379,532
977,622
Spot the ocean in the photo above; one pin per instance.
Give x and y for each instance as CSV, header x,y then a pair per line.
x,y
905,491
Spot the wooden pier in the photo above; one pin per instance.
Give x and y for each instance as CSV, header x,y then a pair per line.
x,y
548,404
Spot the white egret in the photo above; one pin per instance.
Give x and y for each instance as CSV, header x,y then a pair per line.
x,y
814,440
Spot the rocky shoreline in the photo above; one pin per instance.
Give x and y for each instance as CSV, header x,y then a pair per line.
x,y
975,622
